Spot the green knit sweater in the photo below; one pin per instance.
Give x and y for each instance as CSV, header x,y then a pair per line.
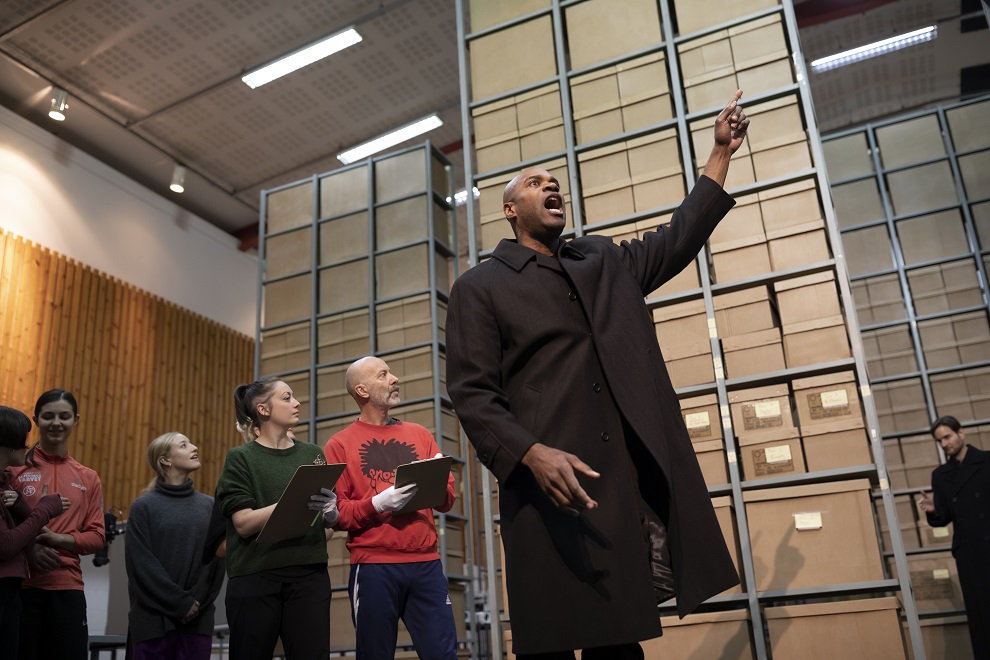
x,y
254,477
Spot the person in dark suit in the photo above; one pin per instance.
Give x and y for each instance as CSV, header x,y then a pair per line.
x,y
555,372
961,496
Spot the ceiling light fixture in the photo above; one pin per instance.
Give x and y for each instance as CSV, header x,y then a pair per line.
x,y
874,49
461,196
383,142
60,103
178,184
302,57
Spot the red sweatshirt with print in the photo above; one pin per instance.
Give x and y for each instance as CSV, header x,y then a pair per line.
x,y
83,521
372,453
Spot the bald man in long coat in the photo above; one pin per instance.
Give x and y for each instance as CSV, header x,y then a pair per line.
x,y
554,370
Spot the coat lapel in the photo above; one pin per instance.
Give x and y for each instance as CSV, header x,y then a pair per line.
x,y
969,467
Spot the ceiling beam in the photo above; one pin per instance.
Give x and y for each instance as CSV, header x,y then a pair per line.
x,y
816,12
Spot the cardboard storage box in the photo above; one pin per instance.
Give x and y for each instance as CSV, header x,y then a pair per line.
x,y
343,286
879,299
681,323
798,245
934,536
824,400
723,635
753,353
343,336
742,225
963,394
285,349
288,253
702,418
815,341
889,351
762,458
595,32
954,340
934,581
789,205
692,16
909,537
512,58
852,630
813,536
288,208
743,312
289,299
726,514
807,298
711,460
832,446
690,364
944,637
944,287
762,412
742,259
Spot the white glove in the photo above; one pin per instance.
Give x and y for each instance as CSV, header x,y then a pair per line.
x,y
327,502
391,499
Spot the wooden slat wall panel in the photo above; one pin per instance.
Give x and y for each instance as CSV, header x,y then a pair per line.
x,y
138,365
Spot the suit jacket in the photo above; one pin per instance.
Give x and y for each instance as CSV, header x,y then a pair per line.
x,y
563,352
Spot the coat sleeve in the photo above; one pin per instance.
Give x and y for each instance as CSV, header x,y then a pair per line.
x,y
664,253
157,591
92,534
474,378
942,515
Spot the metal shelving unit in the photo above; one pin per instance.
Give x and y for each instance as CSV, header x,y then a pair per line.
x,y
329,215
707,289
969,196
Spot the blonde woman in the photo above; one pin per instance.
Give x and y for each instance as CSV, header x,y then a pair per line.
x,y
171,590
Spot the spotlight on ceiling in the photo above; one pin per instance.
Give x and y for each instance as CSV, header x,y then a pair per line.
x,y
60,103
302,57
178,184
383,142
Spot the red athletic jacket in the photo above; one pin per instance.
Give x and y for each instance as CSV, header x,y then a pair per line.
x,y
84,519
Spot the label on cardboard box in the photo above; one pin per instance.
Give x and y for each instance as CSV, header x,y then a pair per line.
x,y
828,404
941,574
764,467
940,532
808,521
778,454
761,415
834,398
927,587
698,424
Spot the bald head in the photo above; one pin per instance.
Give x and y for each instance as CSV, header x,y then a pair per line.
x,y
512,188
369,382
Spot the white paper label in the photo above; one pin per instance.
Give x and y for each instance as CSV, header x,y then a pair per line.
x,y
940,532
732,456
767,409
806,521
778,454
864,390
941,574
712,330
835,398
697,420
884,484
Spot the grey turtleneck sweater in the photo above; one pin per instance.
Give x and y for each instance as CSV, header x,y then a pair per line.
x,y
166,529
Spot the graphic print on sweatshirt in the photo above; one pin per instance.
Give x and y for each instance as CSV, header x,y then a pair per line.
x,y
380,458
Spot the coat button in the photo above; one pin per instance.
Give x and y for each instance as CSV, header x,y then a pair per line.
x,y
572,295
955,499
483,458
596,387
604,436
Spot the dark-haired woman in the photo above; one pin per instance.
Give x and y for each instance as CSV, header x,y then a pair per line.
x,y
275,589
19,524
53,596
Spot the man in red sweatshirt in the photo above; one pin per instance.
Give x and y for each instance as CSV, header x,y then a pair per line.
x,y
395,566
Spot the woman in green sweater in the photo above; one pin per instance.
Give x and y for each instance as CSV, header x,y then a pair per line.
x,y
277,589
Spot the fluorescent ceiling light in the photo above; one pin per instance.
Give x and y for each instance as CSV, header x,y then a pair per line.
x,y
874,49
301,58
390,139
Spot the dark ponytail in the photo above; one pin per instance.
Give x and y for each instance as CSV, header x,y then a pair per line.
x,y
246,400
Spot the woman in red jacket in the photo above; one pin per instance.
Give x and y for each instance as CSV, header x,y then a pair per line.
x,y
53,596
20,524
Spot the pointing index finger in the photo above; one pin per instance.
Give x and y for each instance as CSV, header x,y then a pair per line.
x,y
731,105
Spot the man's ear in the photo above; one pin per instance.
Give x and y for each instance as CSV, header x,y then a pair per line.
x,y
509,209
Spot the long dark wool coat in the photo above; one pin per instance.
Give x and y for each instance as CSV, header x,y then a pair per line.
x,y
962,496
563,352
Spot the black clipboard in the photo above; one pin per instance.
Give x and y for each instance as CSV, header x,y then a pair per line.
x,y
291,518
430,476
